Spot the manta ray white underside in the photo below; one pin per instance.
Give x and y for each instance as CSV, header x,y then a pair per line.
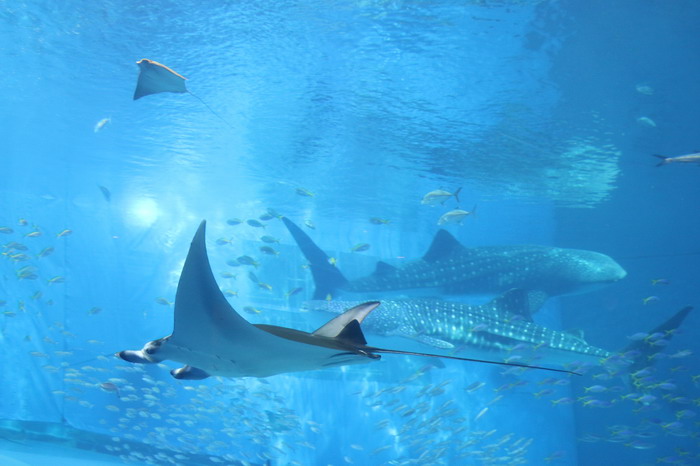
x,y
211,339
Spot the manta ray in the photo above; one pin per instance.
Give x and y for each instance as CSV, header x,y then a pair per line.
x,y
211,339
155,78
450,268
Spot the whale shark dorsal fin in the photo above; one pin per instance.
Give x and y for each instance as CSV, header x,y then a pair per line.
x,y
520,302
334,327
577,333
352,333
536,299
442,246
383,268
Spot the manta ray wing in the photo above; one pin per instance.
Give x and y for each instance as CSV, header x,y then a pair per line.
x,y
211,330
155,78
202,314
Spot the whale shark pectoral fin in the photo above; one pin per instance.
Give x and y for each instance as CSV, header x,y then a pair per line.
x,y
520,302
334,327
443,245
577,333
432,341
535,300
383,268
189,373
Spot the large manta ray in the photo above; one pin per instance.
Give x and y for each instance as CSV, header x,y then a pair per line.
x,y
450,268
210,338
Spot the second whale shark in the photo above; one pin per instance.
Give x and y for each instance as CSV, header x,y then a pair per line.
x,y
502,329
450,268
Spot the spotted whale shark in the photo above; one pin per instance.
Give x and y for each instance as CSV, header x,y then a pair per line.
x,y
450,268
501,329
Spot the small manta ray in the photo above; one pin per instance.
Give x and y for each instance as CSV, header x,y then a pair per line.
x,y
155,78
211,339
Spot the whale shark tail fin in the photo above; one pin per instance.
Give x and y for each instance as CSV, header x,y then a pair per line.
x,y
327,277
643,350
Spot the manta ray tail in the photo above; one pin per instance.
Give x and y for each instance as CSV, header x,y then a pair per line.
x,y
211,110
327,277
482,361
645,349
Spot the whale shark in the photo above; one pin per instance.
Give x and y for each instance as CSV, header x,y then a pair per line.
x,y
502,328
450,268
211,339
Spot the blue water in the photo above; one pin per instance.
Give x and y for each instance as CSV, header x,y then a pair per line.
x,y
545,113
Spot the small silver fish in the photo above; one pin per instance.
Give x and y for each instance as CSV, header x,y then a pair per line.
x,y
646,121
644,89
269,251
688,158
304,192
439,196
455,216
247,260
254,223
101,124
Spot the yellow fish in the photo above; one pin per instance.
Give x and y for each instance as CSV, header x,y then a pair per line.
x,y
304,192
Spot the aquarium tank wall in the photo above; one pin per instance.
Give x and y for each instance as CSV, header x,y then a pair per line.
x,y
194,193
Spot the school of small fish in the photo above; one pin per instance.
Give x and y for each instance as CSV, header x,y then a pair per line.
x,y
431,416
